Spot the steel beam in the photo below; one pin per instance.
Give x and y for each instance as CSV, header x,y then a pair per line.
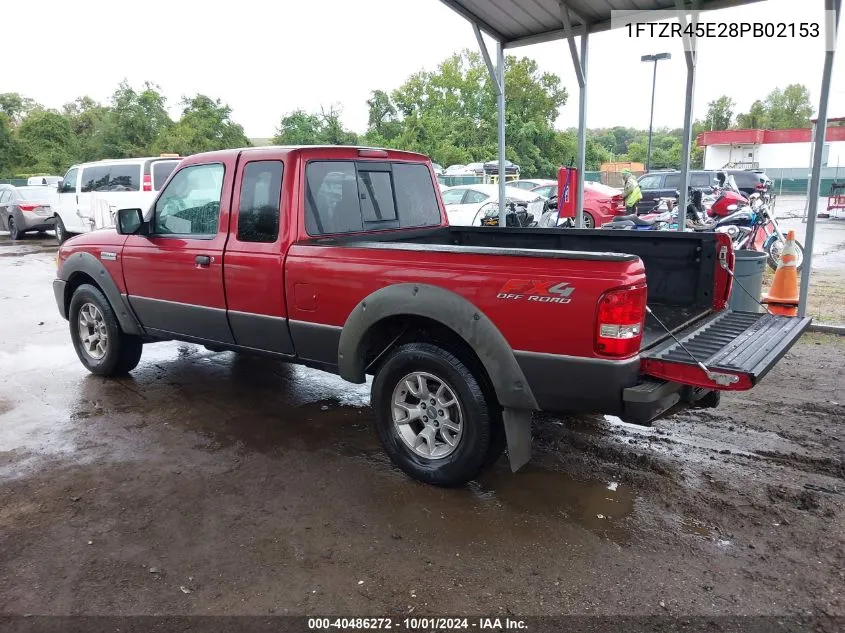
x,y
582,130
497,76
690,55
580,64
500,106
819,135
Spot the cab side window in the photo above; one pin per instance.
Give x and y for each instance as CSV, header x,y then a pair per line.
x,y
190,204
261,191
69,182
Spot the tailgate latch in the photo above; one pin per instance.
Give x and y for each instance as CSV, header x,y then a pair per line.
x,y
720,378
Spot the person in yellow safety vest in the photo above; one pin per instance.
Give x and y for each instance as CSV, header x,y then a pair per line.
x,y
631,191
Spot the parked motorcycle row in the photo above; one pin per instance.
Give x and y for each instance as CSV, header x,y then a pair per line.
x,y
749,221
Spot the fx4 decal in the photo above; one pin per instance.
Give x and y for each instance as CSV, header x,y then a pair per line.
x,y
539,291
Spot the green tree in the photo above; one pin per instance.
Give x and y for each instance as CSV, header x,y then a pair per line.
x,y
383,122
756,117
8,146
88,120
46,142
16,106
205,125
790,107
301,128
720,113
135,121
450,114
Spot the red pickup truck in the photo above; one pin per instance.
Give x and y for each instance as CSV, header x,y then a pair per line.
x,y
341,258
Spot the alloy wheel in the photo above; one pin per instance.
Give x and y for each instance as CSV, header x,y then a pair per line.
x,y
93,333
427,415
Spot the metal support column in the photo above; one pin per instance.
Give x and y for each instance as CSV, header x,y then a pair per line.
x,y
497,76
580,63
500,106
691,55
833,10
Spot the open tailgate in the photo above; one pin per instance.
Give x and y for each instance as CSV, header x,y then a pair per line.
x,y
737,348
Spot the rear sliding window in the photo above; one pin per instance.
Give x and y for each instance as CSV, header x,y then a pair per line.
x,y
349,196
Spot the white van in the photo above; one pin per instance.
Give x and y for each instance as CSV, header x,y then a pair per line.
x,y
121,183
35,181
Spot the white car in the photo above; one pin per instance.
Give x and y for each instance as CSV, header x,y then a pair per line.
x,y
467,204
35,181
532,183
121,184
455,170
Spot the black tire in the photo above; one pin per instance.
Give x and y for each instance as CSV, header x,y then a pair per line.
x,y
14,232
61,232
710,400
123,351
472,451
773,263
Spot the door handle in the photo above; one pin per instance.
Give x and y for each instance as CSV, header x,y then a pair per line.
x,y
203,261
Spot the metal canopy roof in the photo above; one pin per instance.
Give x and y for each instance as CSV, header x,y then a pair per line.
x,y
523,22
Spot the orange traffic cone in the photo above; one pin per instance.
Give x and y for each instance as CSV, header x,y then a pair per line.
x,y
782,297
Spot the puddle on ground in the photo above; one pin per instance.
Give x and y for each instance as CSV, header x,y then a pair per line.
x,y
600,507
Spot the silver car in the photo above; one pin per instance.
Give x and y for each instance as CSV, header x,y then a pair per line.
x,y
25,209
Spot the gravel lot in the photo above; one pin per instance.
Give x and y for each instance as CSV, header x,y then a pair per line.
x,y
216,483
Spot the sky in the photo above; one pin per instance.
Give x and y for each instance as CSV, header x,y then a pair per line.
x,y
265,58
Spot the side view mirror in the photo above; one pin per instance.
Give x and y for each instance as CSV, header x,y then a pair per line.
x,y
59,186
129,221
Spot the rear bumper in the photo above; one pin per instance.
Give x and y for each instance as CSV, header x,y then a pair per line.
x,y
33,222
571,383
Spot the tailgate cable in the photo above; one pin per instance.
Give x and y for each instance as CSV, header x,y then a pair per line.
x,y
719,378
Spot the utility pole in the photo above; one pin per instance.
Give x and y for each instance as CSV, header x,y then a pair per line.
x,y
655,59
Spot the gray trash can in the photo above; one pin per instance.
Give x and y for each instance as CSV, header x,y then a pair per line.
x,y
748,273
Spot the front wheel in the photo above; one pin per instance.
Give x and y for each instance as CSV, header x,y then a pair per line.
x,y
775,249
102,347
61,232
432,415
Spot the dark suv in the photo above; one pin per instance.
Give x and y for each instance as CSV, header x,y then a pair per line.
x,y
665,184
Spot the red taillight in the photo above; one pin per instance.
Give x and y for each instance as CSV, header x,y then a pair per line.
x,y
761,185
29,206
617,202
148,183
619,321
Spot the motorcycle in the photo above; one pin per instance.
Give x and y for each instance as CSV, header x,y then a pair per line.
x,y
757,228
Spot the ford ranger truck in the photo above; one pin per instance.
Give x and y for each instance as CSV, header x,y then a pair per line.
x,y
342,259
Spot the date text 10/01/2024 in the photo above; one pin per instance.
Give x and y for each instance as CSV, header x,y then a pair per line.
x,y
724,29
420,623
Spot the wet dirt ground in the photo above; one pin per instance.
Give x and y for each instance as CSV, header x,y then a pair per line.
x,y
217,483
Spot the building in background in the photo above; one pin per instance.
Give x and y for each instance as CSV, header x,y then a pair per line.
x,y
771,149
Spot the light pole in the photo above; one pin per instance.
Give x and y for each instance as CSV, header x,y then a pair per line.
x,y
655,59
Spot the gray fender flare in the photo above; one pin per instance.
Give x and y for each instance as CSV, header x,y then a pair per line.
x,y
86,263
452,311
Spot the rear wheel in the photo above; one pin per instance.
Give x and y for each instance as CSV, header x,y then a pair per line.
x,y
432,415
775,249
102,347
14,232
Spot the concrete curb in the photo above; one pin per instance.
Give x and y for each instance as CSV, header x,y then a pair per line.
x,y
827,329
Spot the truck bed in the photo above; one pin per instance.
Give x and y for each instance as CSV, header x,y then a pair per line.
x,y
680,267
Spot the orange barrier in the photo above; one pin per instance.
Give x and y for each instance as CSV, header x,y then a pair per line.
x,y
782,297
